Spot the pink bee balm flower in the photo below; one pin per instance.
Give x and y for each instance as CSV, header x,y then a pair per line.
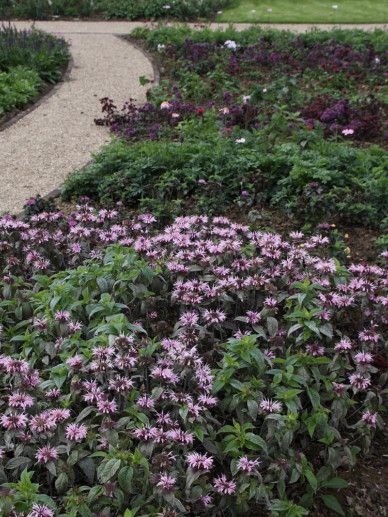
x,y
199,461
270,406
166,483
344,344
20,400
39,510
369,418
14,421
363,358
107,406
76,433
247,466
46,454
347,132
62,316
359,382
222,485
206,500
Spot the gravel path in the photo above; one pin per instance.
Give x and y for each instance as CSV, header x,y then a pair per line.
x,y
42,148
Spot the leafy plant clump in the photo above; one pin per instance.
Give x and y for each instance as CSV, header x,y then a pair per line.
x,y
199,369
28,61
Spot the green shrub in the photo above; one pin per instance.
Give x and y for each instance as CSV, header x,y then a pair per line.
x,y
17,87
321,180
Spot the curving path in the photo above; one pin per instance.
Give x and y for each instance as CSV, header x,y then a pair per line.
x,y
44,146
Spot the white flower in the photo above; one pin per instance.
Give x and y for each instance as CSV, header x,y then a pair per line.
x,y
269,10
335,6
161,47
377,60
347,132
246,99
265,90
230,44
165,105
253,11
240,141
219,12
167,6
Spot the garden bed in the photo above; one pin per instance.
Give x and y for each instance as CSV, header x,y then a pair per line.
x,y
202,341
31,63
276,124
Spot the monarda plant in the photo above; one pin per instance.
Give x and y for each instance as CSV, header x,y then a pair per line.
x,y
200,369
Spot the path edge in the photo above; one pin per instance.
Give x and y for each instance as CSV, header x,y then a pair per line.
x,y
54,194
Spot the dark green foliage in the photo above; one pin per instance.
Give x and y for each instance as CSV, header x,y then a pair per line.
x,y
319,181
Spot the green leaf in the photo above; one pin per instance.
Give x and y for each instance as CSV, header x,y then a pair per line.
x,y
125,478
335,483
107,470
311,479
272,326
256,440
331,502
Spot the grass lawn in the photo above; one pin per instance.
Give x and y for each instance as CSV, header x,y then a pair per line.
x,y
307,11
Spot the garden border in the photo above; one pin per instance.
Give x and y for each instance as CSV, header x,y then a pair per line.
x,y
52,88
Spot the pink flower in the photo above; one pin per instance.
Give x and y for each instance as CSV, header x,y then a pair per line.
x,y
62,316
339,389
369,418
43,423
166,483
224,486
107,406
20,400
46,454
315,349
76,433
363,358
76,362
247,466
199,461
39,510
359,382
344,344
206,500
14,421
270,406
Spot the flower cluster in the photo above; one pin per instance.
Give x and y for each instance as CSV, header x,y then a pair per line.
x,y
180,365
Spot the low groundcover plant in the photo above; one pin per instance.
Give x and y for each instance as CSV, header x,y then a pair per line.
x,y
203,368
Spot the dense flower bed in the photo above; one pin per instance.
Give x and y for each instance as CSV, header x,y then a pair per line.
x,y
248,82
202,368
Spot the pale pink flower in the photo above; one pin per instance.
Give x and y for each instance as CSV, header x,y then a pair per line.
x,y
166,483
247,466
199,461
46,454
270,406
369,418
224,486
76,433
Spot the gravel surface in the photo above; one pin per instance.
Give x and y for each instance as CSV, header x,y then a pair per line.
x,y
42,148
